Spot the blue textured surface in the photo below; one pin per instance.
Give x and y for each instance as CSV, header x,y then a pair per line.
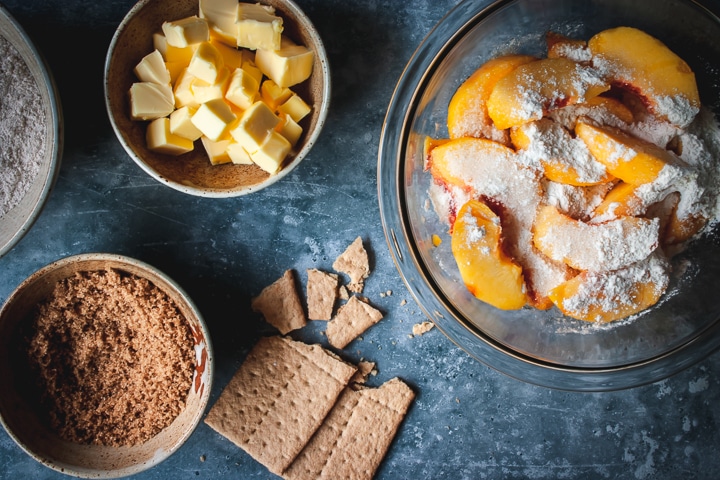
x,y
467,422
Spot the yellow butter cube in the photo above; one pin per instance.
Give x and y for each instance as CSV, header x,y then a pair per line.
x,y
289,129
238,155
272,152
180,55
152,69
186,31
295,107
181,123
273,94
254,125
232,57
183,90
204,92
214,119
175,69
160,44
242,91
160,139
216,150
206,63
150,100
258,27
250,67
221,16
287,66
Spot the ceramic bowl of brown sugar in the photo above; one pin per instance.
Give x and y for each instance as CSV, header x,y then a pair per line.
x,y
430,176
31,132
193,172
106,366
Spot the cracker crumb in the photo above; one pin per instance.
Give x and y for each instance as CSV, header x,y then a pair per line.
x,y
422,328
403,302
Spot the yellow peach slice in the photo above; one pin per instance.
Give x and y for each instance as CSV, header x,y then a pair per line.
x,y
595,247
564,158
644,65
487,271
679,229
535,88
619,202
559,45
613,295
467,111
628,158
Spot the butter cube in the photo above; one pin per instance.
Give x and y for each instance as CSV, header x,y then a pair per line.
x,y
214,119
273,94
204,92
238,155
160,139
150,100
180,55
250,67
254,125
258,27
221,16
186,31
272,152
181,123
287,66
289,129
152,69
295,107
175,69
183,90
216,150
232,57
160,44
206,63
242,91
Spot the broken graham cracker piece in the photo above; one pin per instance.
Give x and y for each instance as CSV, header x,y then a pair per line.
x,y
356,435
322,291
280,304
278,398
365,369
351,320
354,262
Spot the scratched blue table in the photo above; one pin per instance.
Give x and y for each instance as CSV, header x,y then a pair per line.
x,y
468,421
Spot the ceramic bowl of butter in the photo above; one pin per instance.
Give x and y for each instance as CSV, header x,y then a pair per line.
x,y
106,366
31,132
217,98
489,192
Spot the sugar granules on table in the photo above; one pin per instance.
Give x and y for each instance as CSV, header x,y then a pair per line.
x,y
23,124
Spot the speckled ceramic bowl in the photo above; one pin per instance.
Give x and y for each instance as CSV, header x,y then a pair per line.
x,y
18,219
96,461
541,347
192,173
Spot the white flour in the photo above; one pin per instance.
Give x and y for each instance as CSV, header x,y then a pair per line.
x,y
22,127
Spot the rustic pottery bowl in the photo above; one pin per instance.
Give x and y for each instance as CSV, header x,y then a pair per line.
x,y
96,461
16,222
541,347
192,173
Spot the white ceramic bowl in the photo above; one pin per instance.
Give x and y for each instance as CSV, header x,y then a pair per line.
x,y
96,461
18,220
192,173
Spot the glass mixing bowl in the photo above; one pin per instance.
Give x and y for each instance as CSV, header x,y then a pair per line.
x,y
541,347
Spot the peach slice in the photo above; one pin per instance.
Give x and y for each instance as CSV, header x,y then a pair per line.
x,y
601,110
641,63
561,46
595,247
487,271
619,202
628,158
613,295
564,158
533,89
467,112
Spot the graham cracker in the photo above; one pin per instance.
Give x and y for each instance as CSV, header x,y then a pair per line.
x,y
354,262
322,291
356,435
351,320
365,369
278,398
280,304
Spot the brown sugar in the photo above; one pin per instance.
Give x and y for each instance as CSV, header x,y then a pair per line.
x,y
113,358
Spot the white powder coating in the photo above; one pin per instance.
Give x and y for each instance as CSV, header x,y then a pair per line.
x,y
601,247
577,202
22,127
613,290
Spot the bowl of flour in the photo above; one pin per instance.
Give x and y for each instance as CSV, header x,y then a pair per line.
x,y
31,138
